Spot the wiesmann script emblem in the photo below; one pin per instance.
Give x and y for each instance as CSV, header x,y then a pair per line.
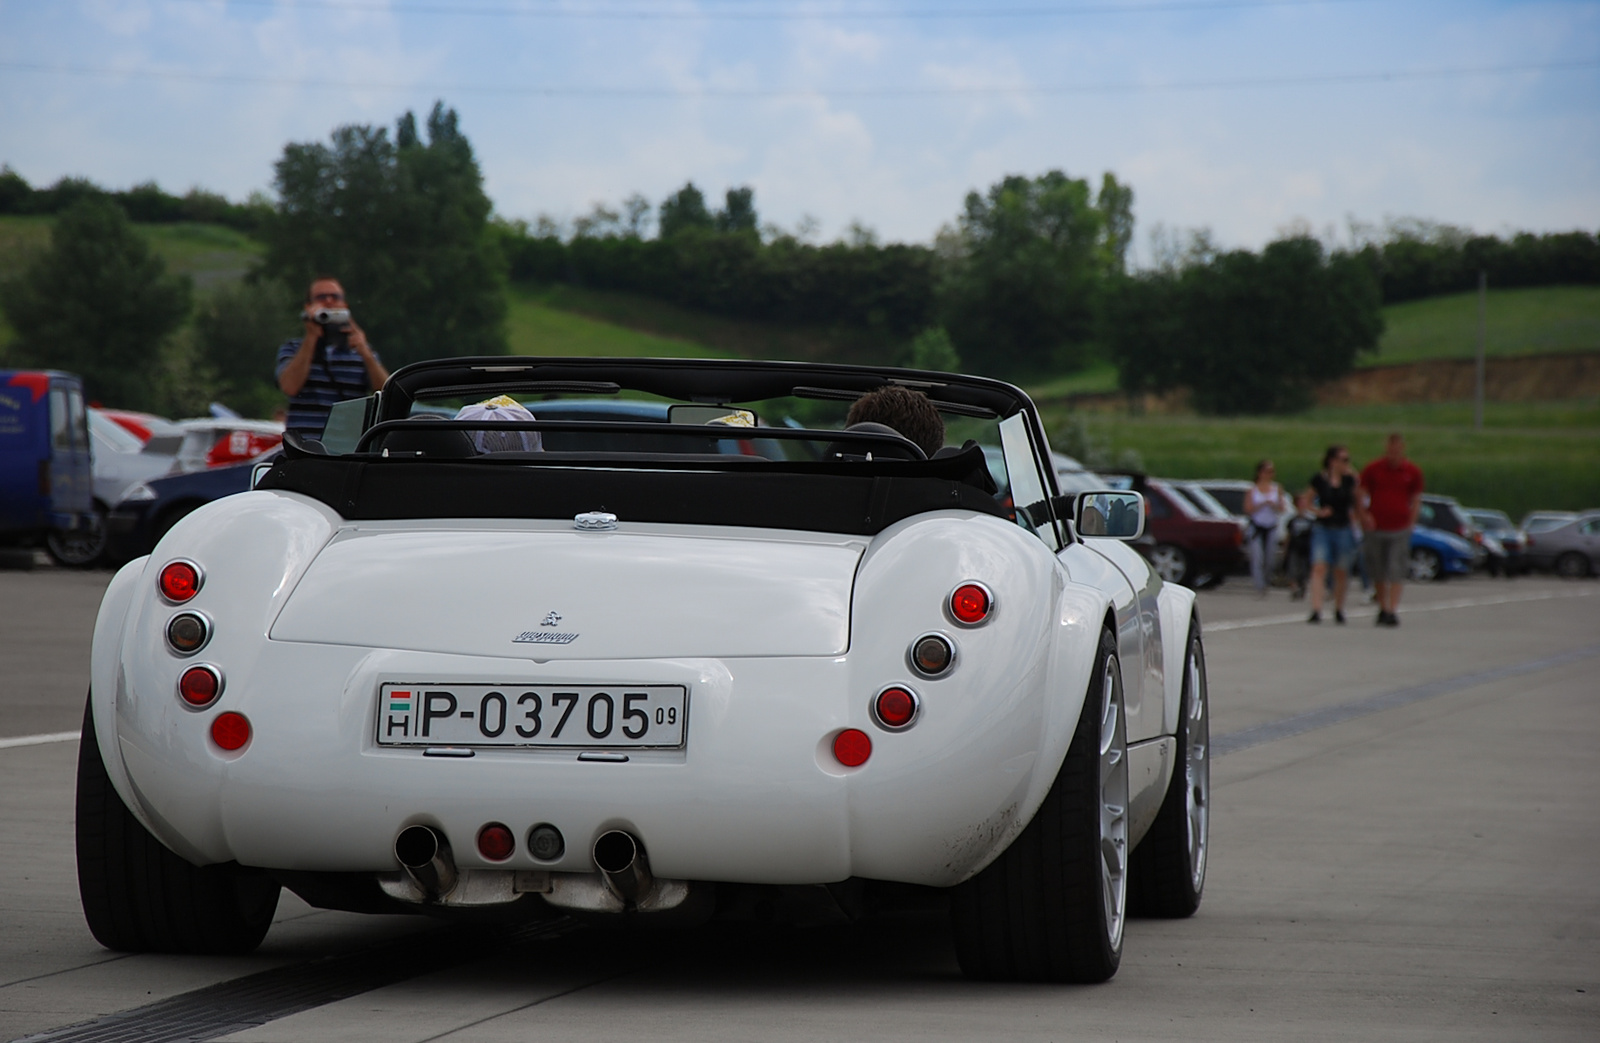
x,y
546,637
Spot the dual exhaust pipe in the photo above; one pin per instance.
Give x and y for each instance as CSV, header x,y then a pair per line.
x,y
424,853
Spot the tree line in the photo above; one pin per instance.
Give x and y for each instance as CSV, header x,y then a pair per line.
x,y
1030,279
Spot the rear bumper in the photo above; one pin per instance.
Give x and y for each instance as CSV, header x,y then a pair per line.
x,y
755,796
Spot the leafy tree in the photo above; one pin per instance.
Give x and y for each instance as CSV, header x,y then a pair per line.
x,y
237,329
683,210
1246,332
1029,260
97,302
932,349
405,227
739,215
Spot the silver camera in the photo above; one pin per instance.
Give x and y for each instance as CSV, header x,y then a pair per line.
x,y
325,317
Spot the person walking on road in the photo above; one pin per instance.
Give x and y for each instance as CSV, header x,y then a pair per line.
x,y
1330,497
1391,497
1264,503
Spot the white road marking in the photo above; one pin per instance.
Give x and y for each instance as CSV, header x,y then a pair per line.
x,y
38,740
1438,606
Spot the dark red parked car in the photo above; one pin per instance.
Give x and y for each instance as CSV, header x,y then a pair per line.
x,y
1185,546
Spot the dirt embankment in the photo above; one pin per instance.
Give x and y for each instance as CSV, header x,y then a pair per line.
x,y
1525,378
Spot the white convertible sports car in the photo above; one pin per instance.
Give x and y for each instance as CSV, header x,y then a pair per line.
x,y
678,646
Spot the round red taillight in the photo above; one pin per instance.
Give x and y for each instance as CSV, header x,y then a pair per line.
x,y
895,707
970,604
199,685
852,747
230,730
180,581
495,842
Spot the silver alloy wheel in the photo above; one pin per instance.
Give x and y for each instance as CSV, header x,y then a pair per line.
x,y
1197,771
1572,565
1425,564
1169,562
1113,806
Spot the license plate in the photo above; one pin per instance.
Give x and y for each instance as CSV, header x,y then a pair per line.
x,y
562,716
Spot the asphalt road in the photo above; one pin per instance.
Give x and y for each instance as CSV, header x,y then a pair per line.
x,y
1405,846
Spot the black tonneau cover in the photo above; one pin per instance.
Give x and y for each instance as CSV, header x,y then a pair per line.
x,y
849,496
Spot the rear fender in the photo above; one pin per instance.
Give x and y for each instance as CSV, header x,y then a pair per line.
x,y
1177,608
105,676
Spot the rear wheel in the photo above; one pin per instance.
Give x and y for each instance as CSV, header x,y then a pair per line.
x,y
140,897
1425,565
1053,905
82,547
1170,562
1572,565
1167,872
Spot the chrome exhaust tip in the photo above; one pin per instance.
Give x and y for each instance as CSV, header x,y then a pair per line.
x,y
424,854
621,860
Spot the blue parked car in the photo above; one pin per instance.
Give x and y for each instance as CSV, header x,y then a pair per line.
x,y
150,508
46,467
1436,554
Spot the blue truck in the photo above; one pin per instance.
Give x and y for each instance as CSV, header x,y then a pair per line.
x,y
46,467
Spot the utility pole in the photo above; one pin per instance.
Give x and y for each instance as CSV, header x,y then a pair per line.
x,y
1483,322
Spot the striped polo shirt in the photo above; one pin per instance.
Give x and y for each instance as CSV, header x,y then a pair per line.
x,y
336,375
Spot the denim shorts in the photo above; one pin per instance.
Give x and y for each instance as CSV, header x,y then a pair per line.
x,y
1333,544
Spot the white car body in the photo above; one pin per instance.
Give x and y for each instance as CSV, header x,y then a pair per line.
x,y
781,638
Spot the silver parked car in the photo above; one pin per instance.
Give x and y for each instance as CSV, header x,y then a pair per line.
x,y
1571,550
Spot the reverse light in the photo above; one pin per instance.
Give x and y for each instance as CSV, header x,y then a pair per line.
x,y
895,708
932,654
187,632
495,842
852,747
179,581
200,685
230,731
970,604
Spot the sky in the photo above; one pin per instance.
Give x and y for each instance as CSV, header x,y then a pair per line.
x,y
1248,118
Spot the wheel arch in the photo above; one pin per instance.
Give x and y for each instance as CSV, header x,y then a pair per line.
x,y
105,677
1177,607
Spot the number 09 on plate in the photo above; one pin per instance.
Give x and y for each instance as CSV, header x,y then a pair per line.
x,y
651,716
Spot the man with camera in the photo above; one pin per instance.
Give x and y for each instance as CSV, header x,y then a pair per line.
x,y
330,364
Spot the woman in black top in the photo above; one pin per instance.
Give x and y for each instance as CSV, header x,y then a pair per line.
x,y
1331,497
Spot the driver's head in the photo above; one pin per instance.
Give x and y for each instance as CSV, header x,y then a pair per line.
x,y
908,412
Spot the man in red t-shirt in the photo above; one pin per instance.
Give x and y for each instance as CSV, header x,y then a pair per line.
x,y
1391,496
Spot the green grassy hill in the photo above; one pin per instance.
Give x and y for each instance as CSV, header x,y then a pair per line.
x,y
1518,322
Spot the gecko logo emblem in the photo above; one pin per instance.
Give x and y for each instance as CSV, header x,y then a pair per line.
x,y
551,619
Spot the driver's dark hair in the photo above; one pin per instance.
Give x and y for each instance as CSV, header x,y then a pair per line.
x,y
908,412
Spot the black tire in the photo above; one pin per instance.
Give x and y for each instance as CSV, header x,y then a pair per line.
x,y
79,548
1572,565
1039,912
1167,871
140,897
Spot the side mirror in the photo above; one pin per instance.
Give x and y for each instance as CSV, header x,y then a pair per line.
x,y
1117,515
258,472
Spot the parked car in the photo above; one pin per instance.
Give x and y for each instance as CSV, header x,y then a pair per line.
x,y
632,684
1571,550
139,520
1446,514
46,466
1497,526
1544,521
142,426
1437,554
216,442
1188,546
